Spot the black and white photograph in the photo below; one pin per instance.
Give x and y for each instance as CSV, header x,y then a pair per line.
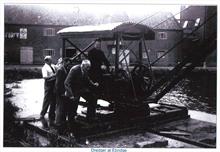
x,y
109,77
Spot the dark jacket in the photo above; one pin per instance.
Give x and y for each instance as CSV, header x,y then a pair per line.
x,y
97,58
60,78
76,82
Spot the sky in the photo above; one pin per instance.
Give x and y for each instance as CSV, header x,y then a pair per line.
x,y
100,9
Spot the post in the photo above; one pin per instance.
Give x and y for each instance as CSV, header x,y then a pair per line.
x,y
140,51
117,52
64,48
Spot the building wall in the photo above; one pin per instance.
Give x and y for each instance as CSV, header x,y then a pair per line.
x,y
207,30
211,26
191,14
35,38
19,36
160,46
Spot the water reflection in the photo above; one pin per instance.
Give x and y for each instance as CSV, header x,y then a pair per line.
x,y
197,92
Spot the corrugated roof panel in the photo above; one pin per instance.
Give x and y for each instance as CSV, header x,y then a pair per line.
x,y
129,30
90,28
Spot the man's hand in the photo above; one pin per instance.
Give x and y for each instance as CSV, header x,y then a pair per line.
x,y
103,67
67,94
72,97
51,78
96,84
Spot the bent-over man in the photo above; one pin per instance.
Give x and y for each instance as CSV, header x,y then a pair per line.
x,y
79,84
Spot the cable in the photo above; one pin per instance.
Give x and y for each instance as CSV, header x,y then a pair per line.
x,y
170,17
155,25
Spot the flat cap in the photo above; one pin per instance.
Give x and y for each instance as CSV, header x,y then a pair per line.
x,y
47,58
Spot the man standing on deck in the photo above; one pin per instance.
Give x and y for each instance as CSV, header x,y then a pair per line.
x,y
49,75
98,62
62,104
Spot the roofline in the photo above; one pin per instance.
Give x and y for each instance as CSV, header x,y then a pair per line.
x,y
108,31
178,24
90,28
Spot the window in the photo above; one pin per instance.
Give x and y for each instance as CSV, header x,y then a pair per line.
x,y
144,54
124,58
162,35
113,50
197,22
185,24
49,32
71,52
50,52
160,53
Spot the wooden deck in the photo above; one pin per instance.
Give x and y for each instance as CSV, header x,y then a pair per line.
x,y
106,124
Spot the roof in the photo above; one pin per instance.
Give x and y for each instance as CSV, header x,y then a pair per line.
x,y
90,28
163,20
127,29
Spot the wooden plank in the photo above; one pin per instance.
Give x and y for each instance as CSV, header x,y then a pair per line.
x,y
175,133
152,144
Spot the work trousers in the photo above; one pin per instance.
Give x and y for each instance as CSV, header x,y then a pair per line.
x,y
91,100
49,100
65,109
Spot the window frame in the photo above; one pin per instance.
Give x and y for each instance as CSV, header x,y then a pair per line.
x,y
49,32
51,52
162,53
163,33
197,22
144,55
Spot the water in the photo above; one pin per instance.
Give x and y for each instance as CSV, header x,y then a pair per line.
x,y
28,96
197,92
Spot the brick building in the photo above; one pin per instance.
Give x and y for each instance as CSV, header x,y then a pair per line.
x,y
205,19
31,33
28,44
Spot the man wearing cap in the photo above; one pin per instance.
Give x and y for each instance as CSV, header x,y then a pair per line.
x,y
79,84
99,62
49,75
